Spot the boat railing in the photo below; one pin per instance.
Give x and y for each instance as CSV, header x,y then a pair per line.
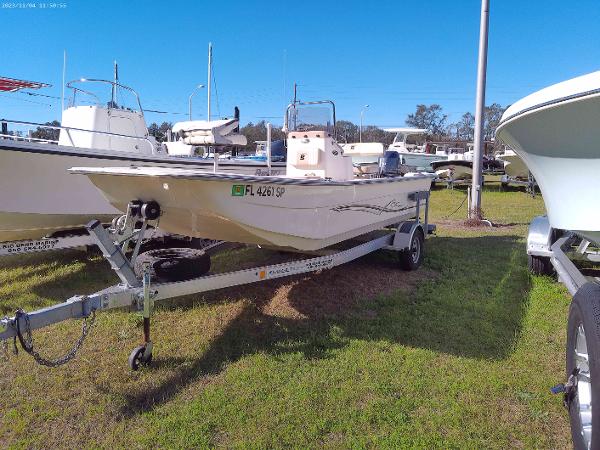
x,y
68,130
113,84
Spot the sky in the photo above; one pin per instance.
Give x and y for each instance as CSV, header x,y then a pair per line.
x,y
391,55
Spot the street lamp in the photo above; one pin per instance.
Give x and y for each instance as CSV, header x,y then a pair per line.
x,y
200,86
361,122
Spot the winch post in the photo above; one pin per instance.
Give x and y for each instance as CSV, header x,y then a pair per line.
x,y
138,244
112,253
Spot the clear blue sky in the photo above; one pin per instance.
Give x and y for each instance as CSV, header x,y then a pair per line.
x,y
391,55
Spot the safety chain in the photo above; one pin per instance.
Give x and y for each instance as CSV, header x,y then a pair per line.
x,y
26,340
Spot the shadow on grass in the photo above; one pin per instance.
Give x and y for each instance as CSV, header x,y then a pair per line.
x,y
469,300
35,279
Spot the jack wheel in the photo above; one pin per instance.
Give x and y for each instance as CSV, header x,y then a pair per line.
x,y
137,358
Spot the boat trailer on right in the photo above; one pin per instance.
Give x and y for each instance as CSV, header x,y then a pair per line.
x,y
572,257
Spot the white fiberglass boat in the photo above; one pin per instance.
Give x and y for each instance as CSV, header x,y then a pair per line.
x,y
458,165
514,166
38,197
555,131
365,157
419,158
317,204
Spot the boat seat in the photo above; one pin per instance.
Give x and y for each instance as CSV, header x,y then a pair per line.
x,y
210,132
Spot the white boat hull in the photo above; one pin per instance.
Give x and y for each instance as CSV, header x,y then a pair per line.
x,y
39,197
281,212
453,170
559,142
514,167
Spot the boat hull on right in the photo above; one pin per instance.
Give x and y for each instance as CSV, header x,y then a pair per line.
x,y
556,133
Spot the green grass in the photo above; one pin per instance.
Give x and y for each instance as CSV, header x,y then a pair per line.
x,y
460,354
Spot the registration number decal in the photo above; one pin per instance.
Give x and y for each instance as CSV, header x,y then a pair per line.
x,y
261,190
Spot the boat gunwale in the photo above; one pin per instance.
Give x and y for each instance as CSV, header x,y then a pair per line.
x,y
80,152
247,178
545,105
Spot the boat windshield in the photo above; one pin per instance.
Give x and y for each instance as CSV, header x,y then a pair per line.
x,y
311,116
104,93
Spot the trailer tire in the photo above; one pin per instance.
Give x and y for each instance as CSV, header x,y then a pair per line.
x,y
539,265
173,264
585,312
412,258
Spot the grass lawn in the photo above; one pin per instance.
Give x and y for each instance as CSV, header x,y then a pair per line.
x,y
459,354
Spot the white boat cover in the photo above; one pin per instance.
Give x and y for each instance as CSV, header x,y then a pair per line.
x,y
213,132
363,148
407,130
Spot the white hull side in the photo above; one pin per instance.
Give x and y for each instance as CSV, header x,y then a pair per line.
x,y
19,226
560,144
454,172
514,166
304,217
38,196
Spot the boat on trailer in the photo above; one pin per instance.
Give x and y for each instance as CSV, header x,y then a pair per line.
x,y
39,198
555,132
319,201
458,165
317,204
418,158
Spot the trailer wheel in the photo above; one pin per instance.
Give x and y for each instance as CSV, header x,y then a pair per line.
x,y
137,358
412,258
173,264
583,362
539,265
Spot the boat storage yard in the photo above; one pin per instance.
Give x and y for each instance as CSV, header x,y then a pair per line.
x,y
408,286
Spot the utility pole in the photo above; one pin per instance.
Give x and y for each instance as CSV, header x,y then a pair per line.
x,y
475,210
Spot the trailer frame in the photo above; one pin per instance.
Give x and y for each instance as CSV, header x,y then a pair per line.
x,y
139,293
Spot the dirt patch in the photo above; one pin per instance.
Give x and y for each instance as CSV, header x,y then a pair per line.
x,y
337,292
317,295
463,225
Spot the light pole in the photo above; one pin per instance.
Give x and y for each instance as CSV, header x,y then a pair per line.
x,y
475,209
362,111
200,86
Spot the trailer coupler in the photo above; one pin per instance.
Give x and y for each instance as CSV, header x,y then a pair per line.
x,y
24,336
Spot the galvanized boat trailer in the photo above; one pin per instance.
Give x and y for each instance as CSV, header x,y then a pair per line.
x,y
572,257
138,292
530,184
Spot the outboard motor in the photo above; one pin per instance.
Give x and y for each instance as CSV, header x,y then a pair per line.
x,y
389,165
236,116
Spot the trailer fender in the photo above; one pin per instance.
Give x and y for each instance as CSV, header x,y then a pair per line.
x,y
405,233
